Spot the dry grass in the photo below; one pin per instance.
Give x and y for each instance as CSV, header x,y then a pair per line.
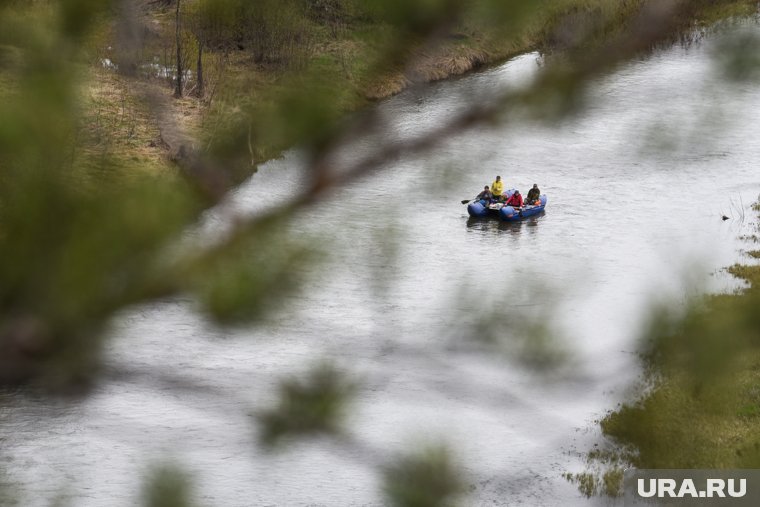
x,y
387,86
116,124
448,61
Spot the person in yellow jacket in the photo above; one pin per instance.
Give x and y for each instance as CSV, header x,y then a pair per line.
x,y
497,187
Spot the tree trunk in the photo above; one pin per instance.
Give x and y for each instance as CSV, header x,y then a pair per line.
x,y
178,88
199,89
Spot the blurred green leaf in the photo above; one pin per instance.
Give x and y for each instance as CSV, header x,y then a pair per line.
x,y
313,406
246,279
77,16
167,486
738,55
427,478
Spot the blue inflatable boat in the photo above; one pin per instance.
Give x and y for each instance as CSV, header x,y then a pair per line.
x,y
506,213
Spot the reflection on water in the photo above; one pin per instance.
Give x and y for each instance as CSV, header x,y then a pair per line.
x,y
491,224
393,299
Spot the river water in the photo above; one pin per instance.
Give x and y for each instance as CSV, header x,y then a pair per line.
x,y
636,194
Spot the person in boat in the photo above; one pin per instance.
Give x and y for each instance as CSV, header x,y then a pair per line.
x,y
533,195
516,201
497,188
485,195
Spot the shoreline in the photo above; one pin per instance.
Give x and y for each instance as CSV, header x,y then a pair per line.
x,y
697,404
342,62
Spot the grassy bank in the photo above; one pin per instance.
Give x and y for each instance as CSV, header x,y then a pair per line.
x,y
700,405
345,58
704,408
321,60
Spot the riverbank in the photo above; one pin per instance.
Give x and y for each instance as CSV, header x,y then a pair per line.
x,y
703,406
335,62
346,60
699,402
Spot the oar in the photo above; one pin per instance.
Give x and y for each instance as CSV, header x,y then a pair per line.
x,y
468,200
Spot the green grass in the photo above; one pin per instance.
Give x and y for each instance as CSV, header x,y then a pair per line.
x,y
700,407
703,406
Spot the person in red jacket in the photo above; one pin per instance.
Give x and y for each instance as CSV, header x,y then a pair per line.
x,y
516,201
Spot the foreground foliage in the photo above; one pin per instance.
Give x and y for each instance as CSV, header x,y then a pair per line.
x,y
700,403
703,410
86,230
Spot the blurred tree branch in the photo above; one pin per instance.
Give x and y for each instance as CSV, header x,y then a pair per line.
x,y
42,188
81,240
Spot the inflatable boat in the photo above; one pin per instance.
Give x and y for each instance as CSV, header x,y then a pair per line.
x,y
507,213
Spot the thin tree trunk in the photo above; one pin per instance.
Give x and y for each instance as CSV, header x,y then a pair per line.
x,y
178,88
199,90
